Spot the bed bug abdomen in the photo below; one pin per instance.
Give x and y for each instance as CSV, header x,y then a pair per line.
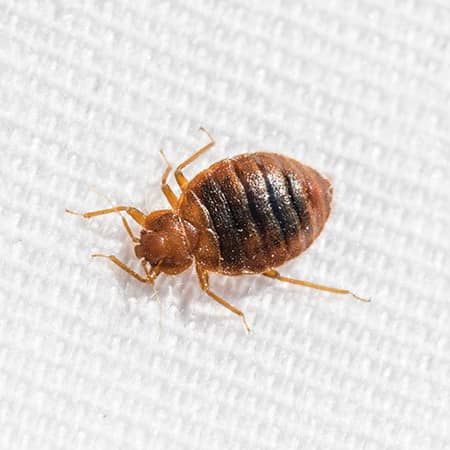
x,y
256,211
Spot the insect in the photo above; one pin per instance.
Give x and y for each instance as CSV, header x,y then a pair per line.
x,y
245,215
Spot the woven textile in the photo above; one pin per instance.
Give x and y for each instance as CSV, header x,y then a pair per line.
x,y
90,91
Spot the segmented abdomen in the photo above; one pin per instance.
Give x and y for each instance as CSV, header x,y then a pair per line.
x,y
255,211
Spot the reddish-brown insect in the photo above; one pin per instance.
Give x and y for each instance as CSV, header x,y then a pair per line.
x,y
243,215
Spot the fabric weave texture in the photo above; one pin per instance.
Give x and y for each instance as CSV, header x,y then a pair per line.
x,y
89,93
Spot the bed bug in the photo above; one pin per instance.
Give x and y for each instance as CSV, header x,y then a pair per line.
x,y
244,215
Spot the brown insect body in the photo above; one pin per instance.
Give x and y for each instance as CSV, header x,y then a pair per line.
x,y
243,215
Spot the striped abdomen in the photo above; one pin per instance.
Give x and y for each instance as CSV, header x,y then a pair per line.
x,y
255,211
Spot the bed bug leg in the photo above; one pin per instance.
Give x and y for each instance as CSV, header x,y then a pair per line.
x,y
167,190
124,267
137,215
274,274
181,179
204,284
151,275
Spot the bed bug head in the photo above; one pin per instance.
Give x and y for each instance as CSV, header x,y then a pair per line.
x,y
166,242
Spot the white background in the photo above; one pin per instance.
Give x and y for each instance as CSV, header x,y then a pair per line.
x,y
90,91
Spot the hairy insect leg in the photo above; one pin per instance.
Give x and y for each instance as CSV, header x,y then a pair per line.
x,y
167,190
137,215
124,267
274,274
181,179
204,284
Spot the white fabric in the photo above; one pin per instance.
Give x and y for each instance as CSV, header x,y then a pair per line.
x,y
90,91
